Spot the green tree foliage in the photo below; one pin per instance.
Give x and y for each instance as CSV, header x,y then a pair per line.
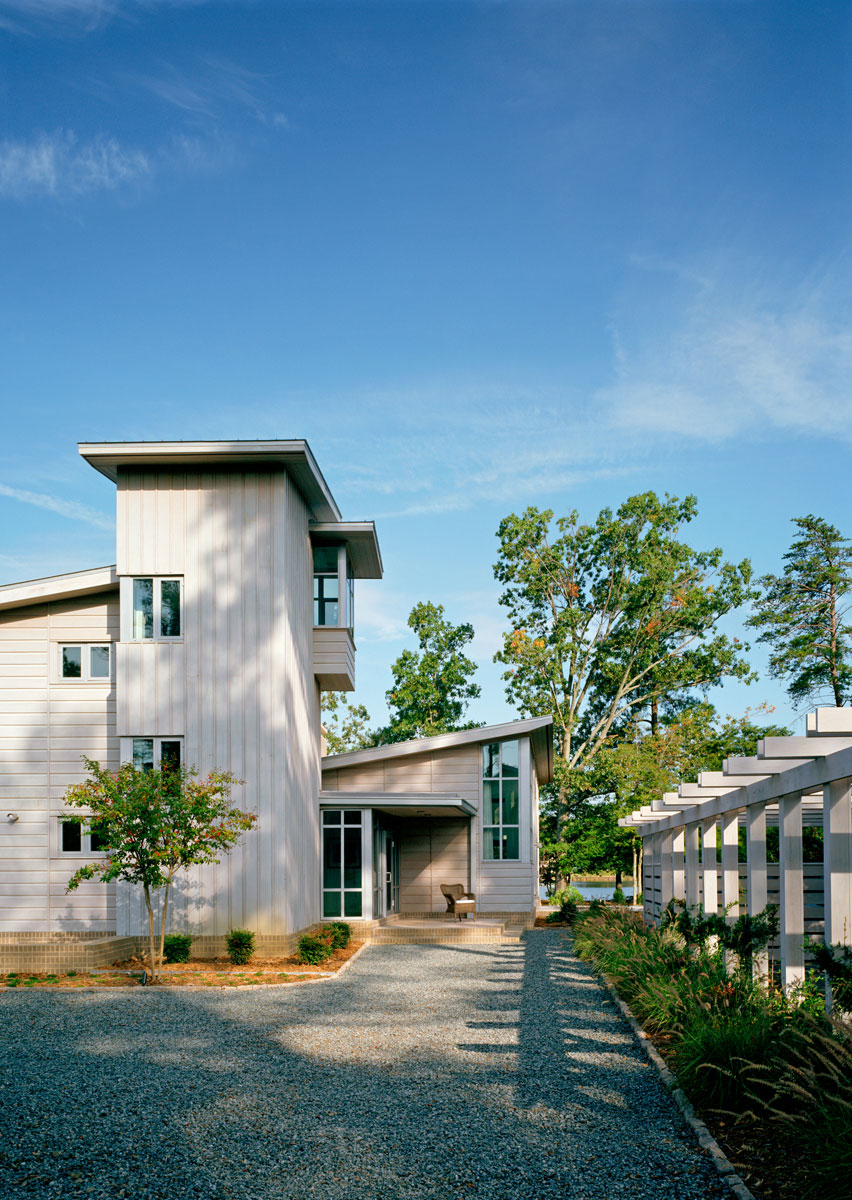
x,y
153,824
347,726
608,620
804,614
432,686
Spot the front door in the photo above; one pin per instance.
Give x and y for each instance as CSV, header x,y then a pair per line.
x,y
391,866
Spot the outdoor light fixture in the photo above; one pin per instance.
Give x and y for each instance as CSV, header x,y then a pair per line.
x,y
11,818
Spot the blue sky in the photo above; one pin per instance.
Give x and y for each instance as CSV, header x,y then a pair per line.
x,y
481,255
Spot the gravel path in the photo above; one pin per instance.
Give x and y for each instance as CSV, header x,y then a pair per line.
x,y
483,1073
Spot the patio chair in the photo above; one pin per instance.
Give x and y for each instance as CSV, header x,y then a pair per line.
x,y
458,900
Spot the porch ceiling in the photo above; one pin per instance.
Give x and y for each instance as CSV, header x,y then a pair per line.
x,y
402,804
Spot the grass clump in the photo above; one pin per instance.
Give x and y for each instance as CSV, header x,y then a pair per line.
x,y
240,945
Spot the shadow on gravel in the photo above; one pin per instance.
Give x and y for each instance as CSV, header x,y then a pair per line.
x,y
361,1089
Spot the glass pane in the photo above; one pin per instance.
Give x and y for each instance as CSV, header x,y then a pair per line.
x,y
331,816
328,587
510,801
331,904
331,858
325,560
72,836
99,662
352,817
72,662
491,801
491,843
170,608
143,754
169,755
510,759
97,841
352,858
510,843
491,760
143,608
352,904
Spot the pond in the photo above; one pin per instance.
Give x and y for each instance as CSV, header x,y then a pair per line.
x,y
597,891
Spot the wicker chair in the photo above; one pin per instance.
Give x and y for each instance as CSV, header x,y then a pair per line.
x,y
459,902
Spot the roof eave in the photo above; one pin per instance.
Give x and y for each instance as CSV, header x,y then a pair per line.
x,y
58,587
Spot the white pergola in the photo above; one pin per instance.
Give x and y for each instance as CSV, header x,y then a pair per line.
x,y
791,782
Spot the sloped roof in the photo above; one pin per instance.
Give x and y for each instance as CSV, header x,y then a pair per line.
x,y
58,587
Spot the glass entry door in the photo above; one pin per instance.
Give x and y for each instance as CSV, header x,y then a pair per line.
x,y
385,872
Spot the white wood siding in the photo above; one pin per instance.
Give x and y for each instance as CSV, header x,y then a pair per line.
x,y
46,725
334,658
239,687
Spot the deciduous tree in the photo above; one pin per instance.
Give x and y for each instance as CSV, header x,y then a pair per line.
x,y
347,726
151,825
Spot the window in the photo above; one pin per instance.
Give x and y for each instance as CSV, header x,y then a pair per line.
x,y
326,589
74,838
334,587
156,611
88,663
146,753
342,860
500,801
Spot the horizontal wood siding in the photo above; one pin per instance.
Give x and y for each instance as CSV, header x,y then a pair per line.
x,y
334,659
46,725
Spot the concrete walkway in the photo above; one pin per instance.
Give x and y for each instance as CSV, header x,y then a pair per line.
x,y
474,1072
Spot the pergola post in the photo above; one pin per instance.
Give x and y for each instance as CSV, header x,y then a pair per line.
x,y
791,872
691,893
757,890
649,865
666,869
679,863
730,865
837,863
708,865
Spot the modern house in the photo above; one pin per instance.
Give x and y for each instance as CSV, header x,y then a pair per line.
x,y
229,609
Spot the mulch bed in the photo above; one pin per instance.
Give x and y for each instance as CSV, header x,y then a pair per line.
x,y
199,972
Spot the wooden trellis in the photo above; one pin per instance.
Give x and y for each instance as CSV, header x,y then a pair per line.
x,y
791,782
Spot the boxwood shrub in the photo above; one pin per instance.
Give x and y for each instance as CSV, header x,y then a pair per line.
x,y
240,943
176,947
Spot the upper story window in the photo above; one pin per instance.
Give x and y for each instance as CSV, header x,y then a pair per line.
x,y
86,662
157,609
500,801
334,587
146,753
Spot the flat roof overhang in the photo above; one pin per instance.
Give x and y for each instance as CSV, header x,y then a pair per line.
x,y
295,456
361,542
401,804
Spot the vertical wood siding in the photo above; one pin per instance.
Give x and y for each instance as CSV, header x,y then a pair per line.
x,y
239,688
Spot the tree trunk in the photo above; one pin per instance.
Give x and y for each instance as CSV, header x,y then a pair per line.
x,y
151,934
655,715
618,877
163,916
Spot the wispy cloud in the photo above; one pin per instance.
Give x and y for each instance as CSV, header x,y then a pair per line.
x,y
213,86
59,164
65,508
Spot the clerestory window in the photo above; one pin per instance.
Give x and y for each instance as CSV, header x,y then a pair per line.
x,y
500,801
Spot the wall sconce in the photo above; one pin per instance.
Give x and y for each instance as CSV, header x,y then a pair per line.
x,y
11,818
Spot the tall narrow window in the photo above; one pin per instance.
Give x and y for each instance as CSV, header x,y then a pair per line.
x,y
143,608
342,863
170,608
326,586
500,801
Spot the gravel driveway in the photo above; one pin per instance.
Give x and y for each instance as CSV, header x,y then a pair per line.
x,y
424,1071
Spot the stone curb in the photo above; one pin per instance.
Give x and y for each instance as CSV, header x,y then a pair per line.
x,y
316,977
705,1138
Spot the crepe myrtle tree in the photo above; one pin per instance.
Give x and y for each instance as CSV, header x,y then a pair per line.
x,y
152,824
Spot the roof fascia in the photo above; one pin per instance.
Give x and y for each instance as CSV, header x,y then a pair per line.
x,y
295,456
58,587
448,741
361,542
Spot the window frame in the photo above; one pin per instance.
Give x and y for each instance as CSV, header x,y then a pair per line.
x,y
85,677
85,850
364,827
345,586
126,747
127,609
501,825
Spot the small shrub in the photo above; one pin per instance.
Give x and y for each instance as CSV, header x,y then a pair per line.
x,y
315,948
176,947
240,943
836,961
618,896
341,935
